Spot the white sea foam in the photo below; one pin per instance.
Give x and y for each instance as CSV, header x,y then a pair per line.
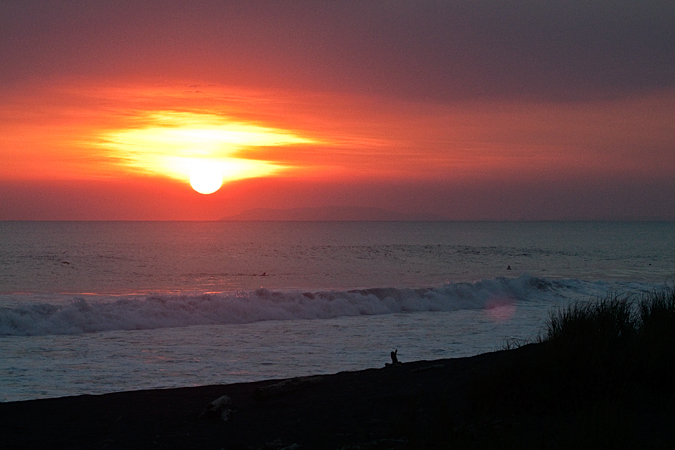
x,y
161,311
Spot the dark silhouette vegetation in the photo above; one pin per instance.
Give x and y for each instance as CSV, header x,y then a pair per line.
x,y
601,376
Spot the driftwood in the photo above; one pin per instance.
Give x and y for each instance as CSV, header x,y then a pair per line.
x,y
394,359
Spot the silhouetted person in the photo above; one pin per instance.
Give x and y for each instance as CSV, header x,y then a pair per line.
x,y
394,359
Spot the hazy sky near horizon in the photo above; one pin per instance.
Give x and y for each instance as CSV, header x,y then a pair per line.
x,y
472,110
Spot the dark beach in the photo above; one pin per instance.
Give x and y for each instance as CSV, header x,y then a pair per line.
x,y
424,404
374,408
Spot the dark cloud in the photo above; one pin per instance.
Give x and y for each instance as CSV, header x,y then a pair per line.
x,y
438,50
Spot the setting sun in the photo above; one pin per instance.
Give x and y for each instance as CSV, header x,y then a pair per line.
x,y
206,179
202,148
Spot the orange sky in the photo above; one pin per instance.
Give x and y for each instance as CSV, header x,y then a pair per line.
x,y
111,126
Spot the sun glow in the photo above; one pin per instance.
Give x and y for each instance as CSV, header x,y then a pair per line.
x,y
201,148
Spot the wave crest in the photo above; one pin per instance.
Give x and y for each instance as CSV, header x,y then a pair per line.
x,y
161,311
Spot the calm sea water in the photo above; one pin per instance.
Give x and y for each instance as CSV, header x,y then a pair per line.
x,y
93,307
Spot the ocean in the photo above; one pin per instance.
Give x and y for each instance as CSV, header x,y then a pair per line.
x,y
97,307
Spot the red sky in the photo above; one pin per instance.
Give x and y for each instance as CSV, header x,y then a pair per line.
x,y
470,110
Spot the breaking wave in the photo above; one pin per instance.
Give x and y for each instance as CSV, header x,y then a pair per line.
x,y
161,311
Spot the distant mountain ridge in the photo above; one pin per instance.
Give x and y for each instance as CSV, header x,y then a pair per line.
x,y
331,213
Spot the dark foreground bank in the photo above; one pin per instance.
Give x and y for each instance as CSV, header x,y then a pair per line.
x,y
375,408
452,403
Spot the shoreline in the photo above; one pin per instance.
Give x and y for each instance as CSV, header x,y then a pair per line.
x,y
325,411
600,377
510,399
